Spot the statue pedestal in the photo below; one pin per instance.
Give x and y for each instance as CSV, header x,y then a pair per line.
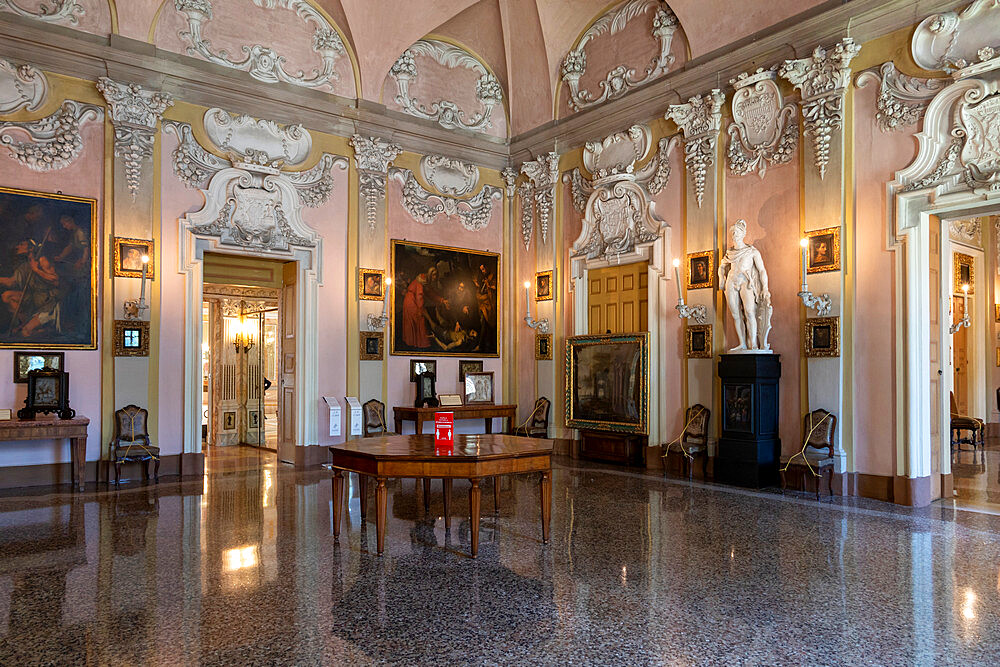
x,y
749,448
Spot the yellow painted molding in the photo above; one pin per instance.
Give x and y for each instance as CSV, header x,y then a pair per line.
x,y
113,11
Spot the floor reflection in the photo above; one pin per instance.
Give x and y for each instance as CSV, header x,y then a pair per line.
x,y
976,476
241,567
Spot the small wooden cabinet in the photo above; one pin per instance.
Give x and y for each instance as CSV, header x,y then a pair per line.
x,y
613,447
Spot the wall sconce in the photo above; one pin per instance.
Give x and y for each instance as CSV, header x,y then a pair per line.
x,y
136,308
243,340
964,322
822,304
542,325
379,322
698,313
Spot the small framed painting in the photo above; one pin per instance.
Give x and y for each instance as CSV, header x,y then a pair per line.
x,y
996,312
31,361
229,420
543,347
543,286
965,273
253,419
372,345
48,391
131,338
479,388
823,251
371,284
822,337
468,366
450,400
128,257
698,341
700,266
419,366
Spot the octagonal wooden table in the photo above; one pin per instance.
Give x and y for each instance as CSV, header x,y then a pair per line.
x,y
472,457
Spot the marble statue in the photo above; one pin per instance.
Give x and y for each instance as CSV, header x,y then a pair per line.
x,y
747,294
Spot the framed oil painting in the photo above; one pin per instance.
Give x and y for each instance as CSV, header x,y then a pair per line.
x,y
372,345
698,341
371,285
700,268
607,382
444,301
48,276
821,337
543,286
128,257
543,347
131,338
965,272
468,366
36,361
823,246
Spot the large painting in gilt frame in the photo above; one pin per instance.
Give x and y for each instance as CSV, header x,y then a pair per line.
x,y
607,382
444,301
48,278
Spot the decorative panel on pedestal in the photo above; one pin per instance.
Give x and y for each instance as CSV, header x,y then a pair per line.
x,y
749,447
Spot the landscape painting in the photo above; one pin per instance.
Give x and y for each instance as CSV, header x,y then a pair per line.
x,y
48,284
444,301
607,382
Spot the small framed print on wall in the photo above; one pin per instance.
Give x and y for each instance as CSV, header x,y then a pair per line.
x,y
700,267
229,420
468,366
996,312
698,341
543,286
418,366
128,257
823,250
821,337
31,361
965,273
372,345
371,284
131,338
543,347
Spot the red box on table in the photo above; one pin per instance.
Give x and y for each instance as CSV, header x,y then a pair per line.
x,y
444,430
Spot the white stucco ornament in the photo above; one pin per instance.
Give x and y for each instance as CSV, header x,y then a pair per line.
x,y
21,87
744,283
763,130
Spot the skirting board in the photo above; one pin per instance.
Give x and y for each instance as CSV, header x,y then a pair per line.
x,y
53,474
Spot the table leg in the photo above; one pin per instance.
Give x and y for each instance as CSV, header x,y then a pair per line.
x,y
546,504
446,493
427,493
78,455
474,496
489,424
511,416
380,513
338,501
363,493
496,494
418,425
399,424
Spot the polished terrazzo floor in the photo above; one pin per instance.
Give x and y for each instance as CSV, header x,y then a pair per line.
x,y
976,476
241,568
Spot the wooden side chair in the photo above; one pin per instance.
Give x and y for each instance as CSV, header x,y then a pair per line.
x,y
537,425
373,413
694,439
959,423
820,426
131,442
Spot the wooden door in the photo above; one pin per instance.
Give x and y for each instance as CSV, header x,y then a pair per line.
x,y
617,299
961,342
939,355
288,361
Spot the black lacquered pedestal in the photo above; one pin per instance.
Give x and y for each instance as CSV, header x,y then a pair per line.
x,y
749,448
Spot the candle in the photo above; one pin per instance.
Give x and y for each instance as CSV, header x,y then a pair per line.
x,y
142,289
677,277
805,250
527,299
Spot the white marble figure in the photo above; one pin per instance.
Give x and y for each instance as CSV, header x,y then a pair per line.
x,y
746,290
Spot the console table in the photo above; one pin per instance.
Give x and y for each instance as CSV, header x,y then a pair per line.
x,y
53,429
418,416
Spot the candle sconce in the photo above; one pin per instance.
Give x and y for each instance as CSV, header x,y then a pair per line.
x,y
542,325
135,309
964,322
698,313
381,321
822,304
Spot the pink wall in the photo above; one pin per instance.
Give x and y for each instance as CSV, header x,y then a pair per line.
x,y
878,156
83,178
771,209
448,232
96,16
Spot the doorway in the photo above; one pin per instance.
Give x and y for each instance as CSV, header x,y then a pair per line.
x,y
618,298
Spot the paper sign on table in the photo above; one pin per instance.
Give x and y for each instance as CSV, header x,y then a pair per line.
x,y
444,430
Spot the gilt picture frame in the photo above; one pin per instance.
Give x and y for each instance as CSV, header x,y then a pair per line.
x,y
131,338
55,306
821,337
371,284
445,301
965,272
594,364
543,347
698,341
372,346
543,286
700,269
128,258
823,250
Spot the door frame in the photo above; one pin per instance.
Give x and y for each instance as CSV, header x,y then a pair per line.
x,y
191,257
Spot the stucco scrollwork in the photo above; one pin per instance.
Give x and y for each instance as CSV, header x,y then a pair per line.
x,y
822,80
622,78
373,156
21,87
259,141
527,202
135,113
424,206
969,232
54,142
262,62
901,99
699,120
446,113
965,42
53,11
543,172
509,175
763,130
449,176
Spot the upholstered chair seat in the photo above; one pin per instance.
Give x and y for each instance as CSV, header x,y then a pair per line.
x,y
816,459
131,442
694,439
537,425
